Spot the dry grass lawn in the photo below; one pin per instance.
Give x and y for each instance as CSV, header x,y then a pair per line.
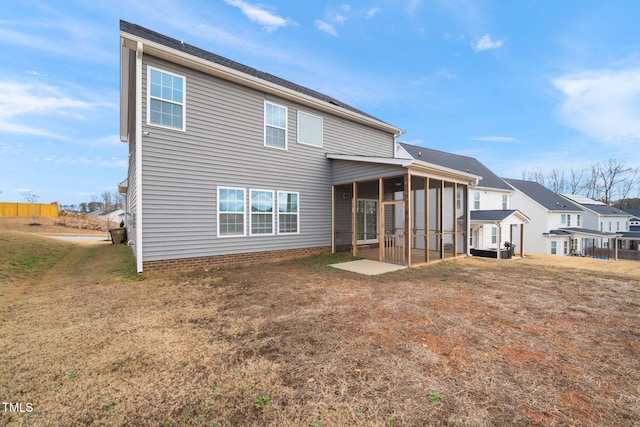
x,y
529,342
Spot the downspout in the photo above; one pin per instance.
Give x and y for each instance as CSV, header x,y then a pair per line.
x,y
139,194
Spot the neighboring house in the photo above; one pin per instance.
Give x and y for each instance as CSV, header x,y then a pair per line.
x,y
229,165
115,215
493,222
634,221
557,224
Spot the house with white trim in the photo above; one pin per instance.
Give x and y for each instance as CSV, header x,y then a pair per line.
x,y
493,222
557,224
229,165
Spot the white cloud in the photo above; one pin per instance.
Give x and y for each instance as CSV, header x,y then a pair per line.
x,y
485,43
604,104
23,105
325,27
495,139
372,12
259,15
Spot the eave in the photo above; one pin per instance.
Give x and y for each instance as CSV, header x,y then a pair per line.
x,y
130,41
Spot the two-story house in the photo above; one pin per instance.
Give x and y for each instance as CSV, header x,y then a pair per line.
x,y
228,165
492,221
557,224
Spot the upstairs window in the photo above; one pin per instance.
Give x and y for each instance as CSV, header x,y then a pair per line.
x,y
568,220
578,221
166,99
288,215
476,200
563,219
275,126
309,129
505,202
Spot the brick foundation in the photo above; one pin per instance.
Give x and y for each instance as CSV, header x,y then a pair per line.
x,y
185,264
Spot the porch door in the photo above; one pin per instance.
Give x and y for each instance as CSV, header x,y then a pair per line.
x,y
367,220
393,228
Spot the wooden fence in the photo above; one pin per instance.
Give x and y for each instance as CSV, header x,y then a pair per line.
x,y
29,209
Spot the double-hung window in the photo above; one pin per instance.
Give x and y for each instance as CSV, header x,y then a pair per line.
x,y
275,126
476,200
505,202
231,212
494,234
262,203
288,213
166,103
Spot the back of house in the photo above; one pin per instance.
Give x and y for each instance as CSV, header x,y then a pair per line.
x,y
228,164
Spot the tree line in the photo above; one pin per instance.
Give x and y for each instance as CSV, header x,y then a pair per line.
x,y
612,181
108,201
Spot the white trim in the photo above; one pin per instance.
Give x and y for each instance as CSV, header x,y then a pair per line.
x,y
183,103
244,212
273,213
286,125
139,193
321,130
288,213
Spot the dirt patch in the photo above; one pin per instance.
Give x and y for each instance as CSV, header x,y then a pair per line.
x,y
463,342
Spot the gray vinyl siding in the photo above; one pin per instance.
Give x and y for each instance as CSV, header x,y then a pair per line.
x,y
345,171
223,146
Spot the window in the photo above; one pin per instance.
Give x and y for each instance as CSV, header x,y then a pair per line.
x,y
165,99
288,218
476,200
601,226
609,225
231,211
563,219
568,220
494,234
565,249
505,202
309,129
275,126
261,212
574,245
459,199
617,225
578,220
554,247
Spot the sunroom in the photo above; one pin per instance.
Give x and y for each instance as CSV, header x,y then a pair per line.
x,y
400,211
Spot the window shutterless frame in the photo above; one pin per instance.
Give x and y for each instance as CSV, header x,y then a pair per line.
x,y
231,212
166,99
288,206
262,212
275,125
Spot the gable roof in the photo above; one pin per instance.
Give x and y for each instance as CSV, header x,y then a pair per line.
x,y
457,162
543,196
495,215
633,212
606,210
179,47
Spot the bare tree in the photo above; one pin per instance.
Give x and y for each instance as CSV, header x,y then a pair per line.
x,y
611,174
34,210
591,185
575,180
626,186
557,181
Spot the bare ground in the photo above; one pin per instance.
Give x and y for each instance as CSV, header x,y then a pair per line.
x,y
536,341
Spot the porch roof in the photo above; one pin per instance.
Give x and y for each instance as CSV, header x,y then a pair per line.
x,y
583,232
493,216
417,167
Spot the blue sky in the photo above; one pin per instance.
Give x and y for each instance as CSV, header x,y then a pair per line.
x,y
520,85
